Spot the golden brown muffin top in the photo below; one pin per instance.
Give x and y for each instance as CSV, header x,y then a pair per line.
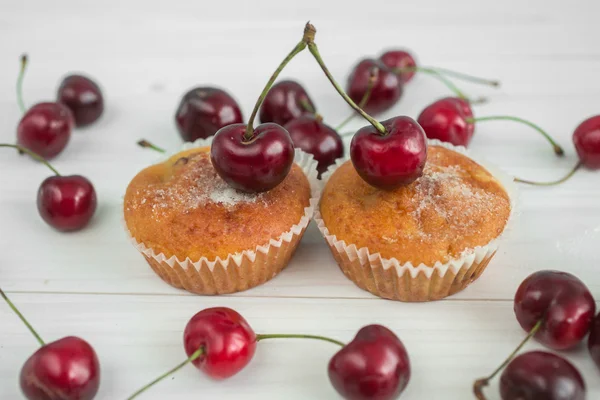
x,y
455,206
182,207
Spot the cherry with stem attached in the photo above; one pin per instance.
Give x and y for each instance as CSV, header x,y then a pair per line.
x,y
67,368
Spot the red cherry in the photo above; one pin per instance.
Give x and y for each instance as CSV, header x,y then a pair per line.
x,y
203,111
390,160
285,101
594,340
66,203
561,301
373,366
310,134
541,375
45,129
400,59
254,164
587,142
385,92
446,120
227,341
83,97
65,369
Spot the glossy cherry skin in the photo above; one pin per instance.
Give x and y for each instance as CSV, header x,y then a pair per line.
x,y
392,160
373,366
46,129
310,134
254,165
587,142
446,120
538,375
594,340
203,111
227,341
563,303
83,97
67,203
66,369
386,91
284,102
398,59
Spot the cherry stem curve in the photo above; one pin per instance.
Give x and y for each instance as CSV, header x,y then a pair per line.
x,y
27,324
20,83
297,336
363,102
449,72
191,358
483,382
552,183
558,150
149,145
32,154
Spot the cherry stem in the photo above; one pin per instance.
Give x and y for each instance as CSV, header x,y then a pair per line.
x,y
449,72
32,154
557,149
365,98
149,145
307,106
191,358
483,382
552,183
27,324
297,336
20,83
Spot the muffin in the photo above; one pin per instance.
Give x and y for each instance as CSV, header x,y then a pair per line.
x,y
423,241
199,234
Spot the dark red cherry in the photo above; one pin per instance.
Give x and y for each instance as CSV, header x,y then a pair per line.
x,y
594,340
227,341
254,164
45,129
400,59
203,111
561,301
310,134
285,101
386,90
446,120
373,366
83,97
587,142
65,369
538,375
67,203
388,161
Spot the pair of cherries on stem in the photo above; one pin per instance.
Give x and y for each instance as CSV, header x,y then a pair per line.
x,y
220,343
557,309
66,369
46,127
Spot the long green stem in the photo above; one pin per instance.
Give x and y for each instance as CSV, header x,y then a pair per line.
x,y
32,154
552,183
449,72
483,382
149,145
557,149
297,336
27,324
363,102
191,358
20,83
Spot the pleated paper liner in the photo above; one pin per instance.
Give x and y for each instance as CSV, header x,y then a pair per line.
x,y
391,279
239,271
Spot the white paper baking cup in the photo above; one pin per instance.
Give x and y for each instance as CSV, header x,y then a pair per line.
x,y
242,270
391,279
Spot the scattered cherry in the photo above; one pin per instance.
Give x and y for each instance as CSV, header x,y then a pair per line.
x,y
83,97
594,340
285,101
386,91
203,111
310,134
374,365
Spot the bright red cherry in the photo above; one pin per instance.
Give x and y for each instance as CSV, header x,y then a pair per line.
x,y
400,60
594,340
310,134
448,120
227,341
45,129
203,111
538,375
373,366
285,101
396,158
83,97
385,92
587,142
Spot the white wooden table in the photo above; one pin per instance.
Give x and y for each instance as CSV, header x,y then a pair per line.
x,y
147,53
